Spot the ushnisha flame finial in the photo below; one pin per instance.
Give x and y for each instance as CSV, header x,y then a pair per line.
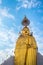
x,y
25,21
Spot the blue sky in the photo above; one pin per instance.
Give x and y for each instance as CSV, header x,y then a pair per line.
x,y
11,14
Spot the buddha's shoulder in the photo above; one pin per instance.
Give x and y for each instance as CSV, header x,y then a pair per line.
x,y
31,36
20,38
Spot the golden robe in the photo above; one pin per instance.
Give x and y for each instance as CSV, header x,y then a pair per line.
x,y
26,49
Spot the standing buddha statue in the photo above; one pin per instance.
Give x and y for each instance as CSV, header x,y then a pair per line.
x,y
26,47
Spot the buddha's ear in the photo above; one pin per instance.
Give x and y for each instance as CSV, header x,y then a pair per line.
x,y
31,33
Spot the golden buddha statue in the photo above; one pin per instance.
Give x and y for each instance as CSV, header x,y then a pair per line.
x,y
26,47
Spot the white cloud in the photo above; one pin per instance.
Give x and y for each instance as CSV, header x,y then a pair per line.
x,y
7,39
12,35
7,36
28,4
3,36
5,13
6,53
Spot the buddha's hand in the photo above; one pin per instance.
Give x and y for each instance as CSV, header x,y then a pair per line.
x,y
28,45
32,45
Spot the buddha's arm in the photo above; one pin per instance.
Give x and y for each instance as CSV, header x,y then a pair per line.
x,y
17,45
34,45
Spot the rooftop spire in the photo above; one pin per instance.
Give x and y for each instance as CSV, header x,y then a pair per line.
x,y
25,21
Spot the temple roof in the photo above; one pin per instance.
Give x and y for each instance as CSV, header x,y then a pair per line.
x,y
25,21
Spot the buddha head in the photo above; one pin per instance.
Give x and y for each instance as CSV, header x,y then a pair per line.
x,y
25,31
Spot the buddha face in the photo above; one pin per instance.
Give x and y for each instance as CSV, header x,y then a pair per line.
x,y
25,31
